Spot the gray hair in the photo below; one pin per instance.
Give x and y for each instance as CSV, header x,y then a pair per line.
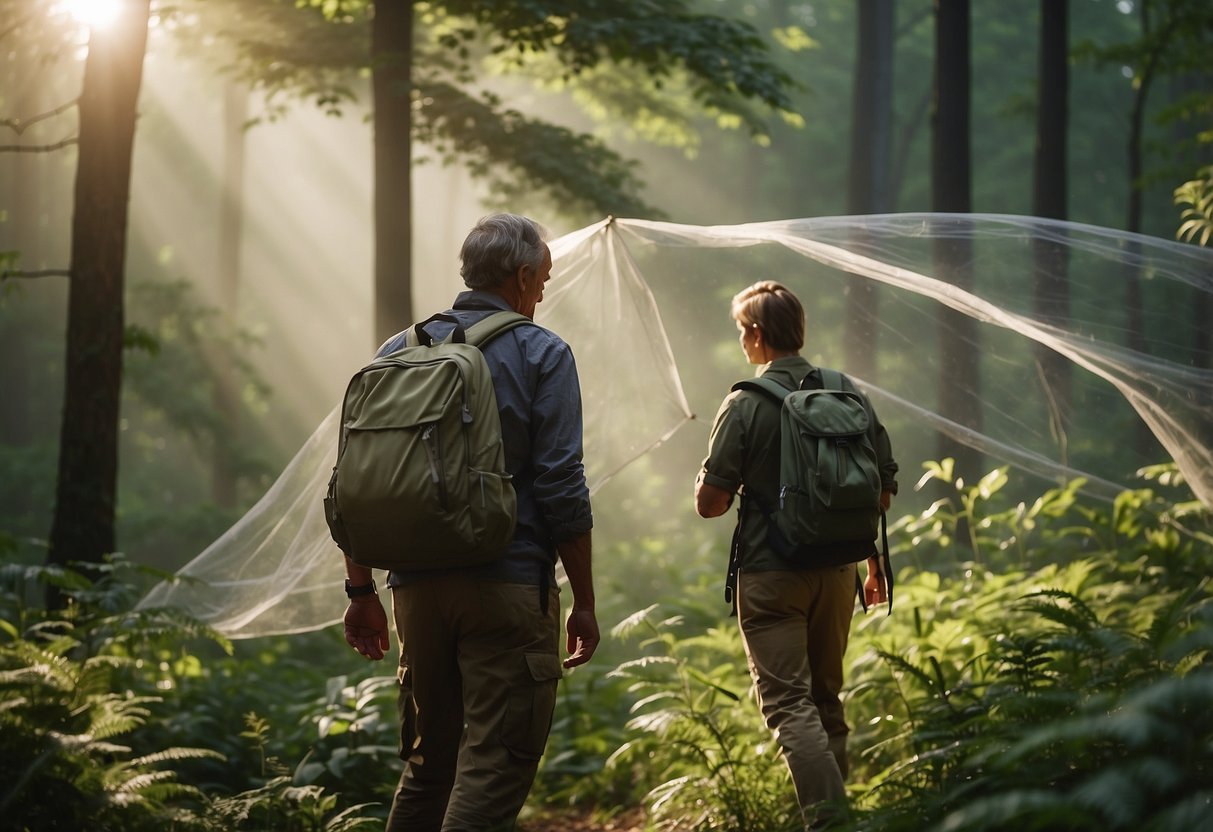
x,y
497,247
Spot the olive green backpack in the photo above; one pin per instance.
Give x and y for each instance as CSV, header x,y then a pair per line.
x,y
420,480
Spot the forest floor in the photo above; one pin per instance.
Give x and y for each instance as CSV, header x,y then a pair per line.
x,y
629,820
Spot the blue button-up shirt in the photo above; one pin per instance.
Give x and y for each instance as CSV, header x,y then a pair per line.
x,y
539,395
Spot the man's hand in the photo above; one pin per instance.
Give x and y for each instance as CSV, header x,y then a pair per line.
x,y
366,627
582,641
875,589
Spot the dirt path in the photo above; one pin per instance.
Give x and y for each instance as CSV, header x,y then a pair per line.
x,y
631,820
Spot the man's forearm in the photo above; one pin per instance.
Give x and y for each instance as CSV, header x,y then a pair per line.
x,y
575,555
358,575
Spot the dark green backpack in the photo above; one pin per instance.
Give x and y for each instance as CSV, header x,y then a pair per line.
x,y
420,480
829,478
828,511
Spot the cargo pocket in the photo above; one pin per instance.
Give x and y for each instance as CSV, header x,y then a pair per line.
x,y
407,710
528,711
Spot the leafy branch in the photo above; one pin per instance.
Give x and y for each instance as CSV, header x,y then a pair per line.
x,y
1197,195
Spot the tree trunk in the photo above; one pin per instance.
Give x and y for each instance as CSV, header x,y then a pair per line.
x,y
83,524
951,192
231,227
391,56
1135,327
1051,294
869,186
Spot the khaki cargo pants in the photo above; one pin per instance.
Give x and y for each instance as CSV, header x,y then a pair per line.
x,y
478,674
795,626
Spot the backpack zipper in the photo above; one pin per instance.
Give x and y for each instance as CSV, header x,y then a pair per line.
x,y
429,437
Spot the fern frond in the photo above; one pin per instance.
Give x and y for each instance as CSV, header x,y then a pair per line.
x,y
173,755
348,820
1192,810
632,622
899,663
629,668
136,783
1122,794
1045,808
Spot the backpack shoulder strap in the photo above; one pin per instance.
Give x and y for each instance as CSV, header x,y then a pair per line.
x,y
498,323
820,378
831,379
768,386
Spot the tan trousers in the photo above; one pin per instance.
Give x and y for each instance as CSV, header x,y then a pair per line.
x,y
795,626
478,674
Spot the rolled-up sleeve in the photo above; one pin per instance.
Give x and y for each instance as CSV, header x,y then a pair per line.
x,y
726,447
556,445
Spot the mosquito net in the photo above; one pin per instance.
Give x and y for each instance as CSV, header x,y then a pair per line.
x,y
1061,350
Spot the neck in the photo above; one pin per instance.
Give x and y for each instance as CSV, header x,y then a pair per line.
x,y
509,293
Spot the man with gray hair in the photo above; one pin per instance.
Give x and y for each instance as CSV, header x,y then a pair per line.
x,y
479,646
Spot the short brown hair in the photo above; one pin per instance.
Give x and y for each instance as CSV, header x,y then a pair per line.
x,y
775,310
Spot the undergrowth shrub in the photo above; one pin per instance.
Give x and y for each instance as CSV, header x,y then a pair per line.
x,y
708,759
1046,666
94,731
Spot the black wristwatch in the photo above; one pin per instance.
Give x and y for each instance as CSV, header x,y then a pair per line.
x,y
352,591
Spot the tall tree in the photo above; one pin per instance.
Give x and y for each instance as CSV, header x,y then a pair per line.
x,y
83,524
869,190
951,192
1049,191
391,61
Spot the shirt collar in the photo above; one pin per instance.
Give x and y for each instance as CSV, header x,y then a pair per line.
x,y
791,368
480,299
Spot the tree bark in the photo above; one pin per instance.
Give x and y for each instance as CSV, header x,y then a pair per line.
x,y
391,58
869,184
1051,297
951,192
83,524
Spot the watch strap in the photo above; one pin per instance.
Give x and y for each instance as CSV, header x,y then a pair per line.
x,y
352,591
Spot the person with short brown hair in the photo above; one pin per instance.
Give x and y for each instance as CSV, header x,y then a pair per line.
x,y
794,621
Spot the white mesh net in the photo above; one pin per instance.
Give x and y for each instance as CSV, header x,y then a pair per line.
x,y
1106,377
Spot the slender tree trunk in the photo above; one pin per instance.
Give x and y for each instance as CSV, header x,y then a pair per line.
x,y
1135,326
391,57
83,524
869,186
231,227
951,192
1051,263
16,424
19,200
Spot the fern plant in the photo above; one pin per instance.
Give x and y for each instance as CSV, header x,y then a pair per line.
x,y
1197,216
1079,712
87,699
61,761
714,764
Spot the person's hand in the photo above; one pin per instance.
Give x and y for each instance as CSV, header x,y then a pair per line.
x,y
366,627
886,500
582,628
875,589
